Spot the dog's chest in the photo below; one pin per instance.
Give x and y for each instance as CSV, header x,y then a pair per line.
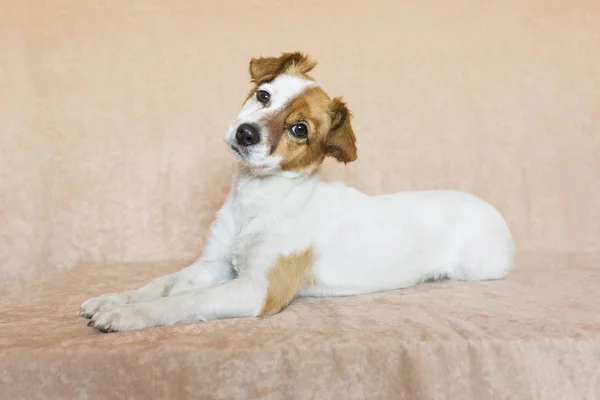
x,y
248,237
252,224
264,213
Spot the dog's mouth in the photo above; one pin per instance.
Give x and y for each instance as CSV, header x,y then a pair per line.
x,y
237,151
247,156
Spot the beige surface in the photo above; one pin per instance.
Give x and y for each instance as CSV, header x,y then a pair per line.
x,y
111,159
113,115
532,336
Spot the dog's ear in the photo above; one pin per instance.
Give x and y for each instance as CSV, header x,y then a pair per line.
x,y
264,69
341,141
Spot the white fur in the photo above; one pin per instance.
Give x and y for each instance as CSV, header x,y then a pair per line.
x,y
361,244
282,89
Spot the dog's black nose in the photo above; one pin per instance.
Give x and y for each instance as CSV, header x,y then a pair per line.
x,y
247,135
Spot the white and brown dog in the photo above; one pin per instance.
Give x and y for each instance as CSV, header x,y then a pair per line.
x,y
283,233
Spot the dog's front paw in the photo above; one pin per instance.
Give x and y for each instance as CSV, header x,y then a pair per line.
x,y
125,318
107,301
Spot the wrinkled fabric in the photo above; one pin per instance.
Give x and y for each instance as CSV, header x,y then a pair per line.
x,y
112,167
532,336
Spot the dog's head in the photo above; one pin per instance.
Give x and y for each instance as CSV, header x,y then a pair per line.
x,y
288,123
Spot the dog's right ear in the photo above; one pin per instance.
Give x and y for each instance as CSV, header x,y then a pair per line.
x,y
264,69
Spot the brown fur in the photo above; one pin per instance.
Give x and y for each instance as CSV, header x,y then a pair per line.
x,y
341,142
264,69
286,278
330,131
312,108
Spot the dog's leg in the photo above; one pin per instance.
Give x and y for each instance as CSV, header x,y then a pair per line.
x,y
200,274
241,297
265,288
214,267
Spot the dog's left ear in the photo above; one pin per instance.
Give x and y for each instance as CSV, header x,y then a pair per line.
x,y
264,69
341,141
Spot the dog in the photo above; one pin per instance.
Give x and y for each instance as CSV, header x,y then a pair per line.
x,y
283,233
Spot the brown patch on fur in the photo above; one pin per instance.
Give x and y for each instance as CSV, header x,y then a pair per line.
x,y
329,131
286,278
310,107
265,69
328,121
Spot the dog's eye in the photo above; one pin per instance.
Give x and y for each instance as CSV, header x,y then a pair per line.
x,y
299,130
263,96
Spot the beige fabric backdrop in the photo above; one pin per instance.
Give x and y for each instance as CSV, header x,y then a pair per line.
x,y
112,115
